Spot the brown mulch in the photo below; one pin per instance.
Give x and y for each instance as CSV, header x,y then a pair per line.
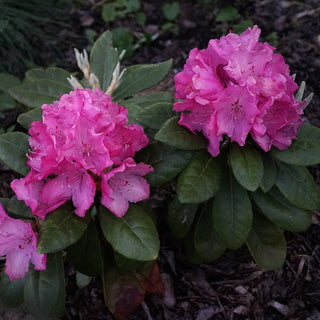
x,y
232,287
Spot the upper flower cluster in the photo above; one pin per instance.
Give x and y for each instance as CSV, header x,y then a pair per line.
x,y
83,142
235,87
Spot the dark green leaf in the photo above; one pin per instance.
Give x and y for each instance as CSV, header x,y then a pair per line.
x,y
19,208
11,292
134,235
56,76
266,243
85,255
150,99
61,229
189,248
246,166
201,179
103,59
206,242
305,151
155,114
82,280
123,39
13,149
8,81
44,291
140,77
225,14
108,12
284,215
133,110
180,217
167,162
171,10
298,186
6,102
232,213
269,172
26,118
38,92
179,137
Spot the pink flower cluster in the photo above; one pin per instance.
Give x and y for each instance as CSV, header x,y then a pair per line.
x,y
18,243
235,87
83,143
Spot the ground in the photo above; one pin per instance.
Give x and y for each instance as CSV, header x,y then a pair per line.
x,y
232,287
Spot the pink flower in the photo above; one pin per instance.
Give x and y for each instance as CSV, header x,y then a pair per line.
x,y
18,243
238,86
124,184
82,136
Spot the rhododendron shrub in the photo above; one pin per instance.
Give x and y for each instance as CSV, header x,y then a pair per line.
x,y
237,147
79,197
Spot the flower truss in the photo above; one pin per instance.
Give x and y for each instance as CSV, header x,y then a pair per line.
x,y
238,86
83,144
18,242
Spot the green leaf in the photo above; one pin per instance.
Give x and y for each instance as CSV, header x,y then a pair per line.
x,y
13,149
155,114
189,247
61,229
232,213
134,235
103,59
266,243
11,292
298,186
171,10
269,172
19,208
206,241
8,81
56,76
166,161
44,291
25,119
201,179
85,255
38,92
247,166
109,12
226,14
305,151
6,102
179,137
277,209
180,217
150,99
133,5
123,39
82,280
140,77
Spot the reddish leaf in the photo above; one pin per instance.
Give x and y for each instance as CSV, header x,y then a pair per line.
x,y
154,283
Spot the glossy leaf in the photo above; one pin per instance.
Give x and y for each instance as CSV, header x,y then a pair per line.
x,y
134,235
179,137
166,161
247,166
19,208
8,81
266,243
11,292
232,213
85,255
269,172
13,149
298,186
44,291
25,119
155,114
56,76
180,217
305,151
140,77
103,59
200,180
61,229
206,242
277,209
35,93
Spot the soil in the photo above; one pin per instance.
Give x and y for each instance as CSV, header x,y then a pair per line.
x,y
232,287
